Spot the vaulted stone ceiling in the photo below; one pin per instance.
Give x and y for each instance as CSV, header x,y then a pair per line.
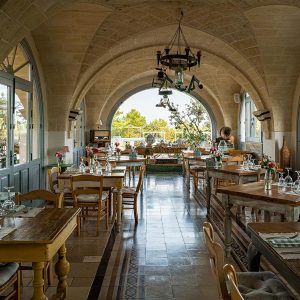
x,y
103,49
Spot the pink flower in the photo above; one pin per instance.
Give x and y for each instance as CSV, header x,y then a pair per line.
x,y
118,150
58,154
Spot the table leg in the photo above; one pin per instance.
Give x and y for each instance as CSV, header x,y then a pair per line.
x,y
119,209
208,192
227,225
38,281
62,268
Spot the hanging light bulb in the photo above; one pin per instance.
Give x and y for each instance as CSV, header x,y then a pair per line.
x,y
178,77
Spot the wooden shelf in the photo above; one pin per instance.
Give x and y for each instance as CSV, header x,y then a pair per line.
x,y
104,137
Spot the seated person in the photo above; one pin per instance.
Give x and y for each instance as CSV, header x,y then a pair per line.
x,y
225,134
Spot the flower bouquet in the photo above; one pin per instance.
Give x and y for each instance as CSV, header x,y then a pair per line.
x,y
89,152
270,167
59,158
217,155
117,149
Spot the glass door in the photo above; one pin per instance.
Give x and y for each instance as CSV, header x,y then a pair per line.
x,y
20,128
4,120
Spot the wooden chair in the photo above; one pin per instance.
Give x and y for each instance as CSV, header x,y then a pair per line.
x,y
216,258
255,285
10,281
129,196
53,185
234,152
86,160
198,172
230,273
230,161
88,193
52,199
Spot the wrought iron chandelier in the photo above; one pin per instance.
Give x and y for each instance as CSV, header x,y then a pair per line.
x,y
178,56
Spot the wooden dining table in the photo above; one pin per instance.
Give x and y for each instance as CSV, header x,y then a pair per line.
x,y
130,162
113,179
288,268
254,195
37,240
233,173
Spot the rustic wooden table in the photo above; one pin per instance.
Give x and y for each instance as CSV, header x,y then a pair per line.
x,y
115,179
254,195
233,173
37,240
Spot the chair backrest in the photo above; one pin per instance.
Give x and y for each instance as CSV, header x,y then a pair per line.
x,y
216,257
234,160
86,160
56,199
87,184
52,178
233,152
230,273
141,176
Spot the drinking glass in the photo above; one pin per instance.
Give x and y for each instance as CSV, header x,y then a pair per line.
x,y
296,185
288,179
99,169
245,163
8,204
281,181
222,147
82,166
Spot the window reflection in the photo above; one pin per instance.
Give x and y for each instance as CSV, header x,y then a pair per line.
x,y
20,126
4,92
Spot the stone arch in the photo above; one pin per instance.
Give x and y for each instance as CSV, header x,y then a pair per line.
x,y
217,50
148,86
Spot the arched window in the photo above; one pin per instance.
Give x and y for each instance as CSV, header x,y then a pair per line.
x,y
20,112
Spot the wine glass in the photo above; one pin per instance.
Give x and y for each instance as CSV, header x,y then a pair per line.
x,y
281,181
82,166
9,204
245,163
296,185
222,147
99,168
288,179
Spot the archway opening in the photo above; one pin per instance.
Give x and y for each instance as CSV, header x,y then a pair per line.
x,y
171,119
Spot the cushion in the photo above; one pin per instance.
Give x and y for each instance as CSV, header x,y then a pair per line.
x,y
261,285
57,190
91,197
126,190
7,270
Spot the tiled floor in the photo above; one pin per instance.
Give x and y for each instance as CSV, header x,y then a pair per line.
x,y
163,257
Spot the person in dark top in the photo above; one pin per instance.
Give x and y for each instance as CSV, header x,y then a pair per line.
x,y
225,134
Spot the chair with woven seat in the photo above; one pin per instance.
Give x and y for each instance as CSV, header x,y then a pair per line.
x,y
252,285
53,186
52,199
9,281
129,196
88,194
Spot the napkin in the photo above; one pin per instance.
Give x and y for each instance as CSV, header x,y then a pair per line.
x,y
285,242
19,208
277,235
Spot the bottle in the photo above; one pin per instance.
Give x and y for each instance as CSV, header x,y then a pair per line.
x,y
285,155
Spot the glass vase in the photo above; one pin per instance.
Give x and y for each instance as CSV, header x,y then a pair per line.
x,y
268,180
218,164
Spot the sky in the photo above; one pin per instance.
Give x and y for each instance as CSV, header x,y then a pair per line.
x,y
146,100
